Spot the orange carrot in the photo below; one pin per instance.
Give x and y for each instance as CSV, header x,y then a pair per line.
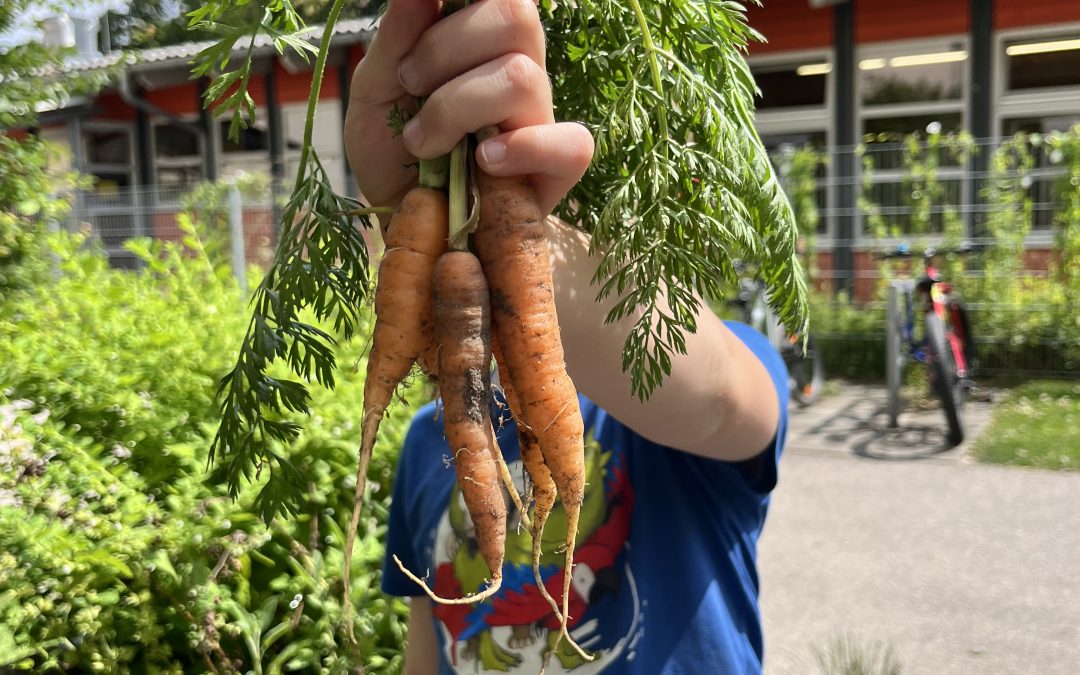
x,y
511,244
462,331
542,486
404,326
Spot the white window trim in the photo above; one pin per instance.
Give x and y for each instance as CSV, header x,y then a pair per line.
x,y
1030,102
863,112
90,126
797,57
804,119
179,162
903,48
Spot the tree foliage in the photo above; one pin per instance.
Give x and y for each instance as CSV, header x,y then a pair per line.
x,y
158,23
33,77
31,197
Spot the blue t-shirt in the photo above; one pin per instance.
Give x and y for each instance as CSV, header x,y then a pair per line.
x,y
665,577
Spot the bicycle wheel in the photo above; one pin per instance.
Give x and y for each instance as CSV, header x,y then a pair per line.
x,y
943,377
806,371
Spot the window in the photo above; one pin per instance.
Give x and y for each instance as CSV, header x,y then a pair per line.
x,y
179,177
1045,174
781,147
914,88
884,135
110,205
171,140
912,77
792,112
177,158
251,139
107,146
1043,63
787,86
1040,94
1039,125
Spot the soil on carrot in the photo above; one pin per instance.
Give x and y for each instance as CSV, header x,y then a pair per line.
x,y
475,395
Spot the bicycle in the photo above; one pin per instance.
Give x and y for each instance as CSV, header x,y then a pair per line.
x,y
946,344
806,369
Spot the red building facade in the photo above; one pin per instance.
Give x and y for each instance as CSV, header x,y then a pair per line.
x,y
839,74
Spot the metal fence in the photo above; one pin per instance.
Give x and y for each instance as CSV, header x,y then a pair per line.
x,y
1014,195
916,191
915,187
112,216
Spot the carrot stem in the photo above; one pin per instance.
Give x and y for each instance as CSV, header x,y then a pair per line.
x,y
435,173
459,196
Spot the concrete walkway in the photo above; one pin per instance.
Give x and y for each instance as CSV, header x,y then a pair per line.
x,y
957,567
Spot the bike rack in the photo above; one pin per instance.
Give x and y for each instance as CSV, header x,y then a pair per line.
x,y
894,359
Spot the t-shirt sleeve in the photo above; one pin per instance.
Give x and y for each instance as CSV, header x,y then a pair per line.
x,y
400,539
760,471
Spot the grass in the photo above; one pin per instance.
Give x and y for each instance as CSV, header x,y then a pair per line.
x,y
1037,425
844,656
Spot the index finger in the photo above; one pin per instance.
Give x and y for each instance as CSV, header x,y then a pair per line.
x,y
399,29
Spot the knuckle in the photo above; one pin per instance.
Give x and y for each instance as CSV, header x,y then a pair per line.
x,y
434,116
522,73
518,14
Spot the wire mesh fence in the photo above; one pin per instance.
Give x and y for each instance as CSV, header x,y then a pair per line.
x,y
114,216
1012,195
1014,203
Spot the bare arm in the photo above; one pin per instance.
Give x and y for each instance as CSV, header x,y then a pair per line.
x,y
422,647
719,400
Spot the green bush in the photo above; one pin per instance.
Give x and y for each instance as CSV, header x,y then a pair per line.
x,y
28,184
1021,320
119,551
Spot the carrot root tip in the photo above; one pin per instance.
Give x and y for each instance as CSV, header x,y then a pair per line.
x,y
493,587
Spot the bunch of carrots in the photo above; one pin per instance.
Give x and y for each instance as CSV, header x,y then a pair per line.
x,y
451,303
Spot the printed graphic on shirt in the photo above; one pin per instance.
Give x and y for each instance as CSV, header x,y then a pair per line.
x,y
513,630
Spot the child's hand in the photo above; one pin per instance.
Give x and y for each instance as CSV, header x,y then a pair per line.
x,y
479,67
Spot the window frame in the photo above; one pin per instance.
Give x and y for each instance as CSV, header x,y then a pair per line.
x,y
1042,102
805,119
89,207
195,161
863,112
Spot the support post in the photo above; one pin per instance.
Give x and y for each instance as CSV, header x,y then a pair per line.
x,y
276,128
892,354
236,238
980,102
210,145
844,98
145,170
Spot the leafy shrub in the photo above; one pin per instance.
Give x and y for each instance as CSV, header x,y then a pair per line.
x,y
27,204
119,552
1021,320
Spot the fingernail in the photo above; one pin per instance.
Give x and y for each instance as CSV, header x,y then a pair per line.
x,y
407,74
413,133
493,152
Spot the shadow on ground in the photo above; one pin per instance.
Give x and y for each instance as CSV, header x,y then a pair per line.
x,y
856,422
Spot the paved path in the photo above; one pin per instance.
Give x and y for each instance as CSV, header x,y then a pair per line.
x,y
958,567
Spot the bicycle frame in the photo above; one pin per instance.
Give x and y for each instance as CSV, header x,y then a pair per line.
x,y
936,297
922,296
